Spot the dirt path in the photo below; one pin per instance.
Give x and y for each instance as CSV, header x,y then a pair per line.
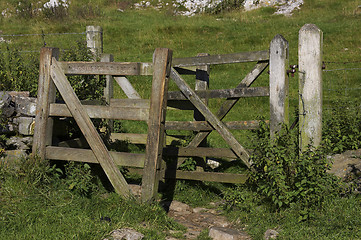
x,y
198,219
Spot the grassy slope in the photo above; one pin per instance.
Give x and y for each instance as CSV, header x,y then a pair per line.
x,y
133,36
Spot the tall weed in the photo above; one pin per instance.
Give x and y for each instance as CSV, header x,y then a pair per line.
x,y
283,175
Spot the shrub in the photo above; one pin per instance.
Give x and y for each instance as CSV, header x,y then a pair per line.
x,y
19,71
342,126
284,176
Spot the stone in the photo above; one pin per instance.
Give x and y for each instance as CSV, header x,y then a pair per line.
x,y
135,189
288,8
179,207
270,234
20,143
346,165
125,234
25,106
222,233
285,7
6,104
199,209
25,125
254,4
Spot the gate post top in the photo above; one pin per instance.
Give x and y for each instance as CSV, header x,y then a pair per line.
x,y
310,28
279,39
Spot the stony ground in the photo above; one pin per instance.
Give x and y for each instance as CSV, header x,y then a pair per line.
x,y
198,219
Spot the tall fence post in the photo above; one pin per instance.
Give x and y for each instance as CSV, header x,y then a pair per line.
x,y
279,104
46,94
94,40
310,85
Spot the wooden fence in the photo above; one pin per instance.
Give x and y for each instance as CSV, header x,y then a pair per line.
x,y
53,76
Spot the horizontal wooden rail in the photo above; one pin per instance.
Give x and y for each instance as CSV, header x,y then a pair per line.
x,y
199,176
206,176
224,93
222,59
106,112
87,155
137,138
106,68
146,69
199,152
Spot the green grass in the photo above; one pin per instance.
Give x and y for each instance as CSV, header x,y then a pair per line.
x,y
56,212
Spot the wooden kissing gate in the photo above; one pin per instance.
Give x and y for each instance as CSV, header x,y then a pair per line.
x,y
53,76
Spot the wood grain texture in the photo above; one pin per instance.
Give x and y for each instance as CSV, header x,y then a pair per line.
x,y
157,113
86,155
89,131
46,95
239,150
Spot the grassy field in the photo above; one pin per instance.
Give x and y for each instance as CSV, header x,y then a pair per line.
x,y
52,210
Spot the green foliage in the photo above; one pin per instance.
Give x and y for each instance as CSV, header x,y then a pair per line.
x,y
18,71
85,86
79,178
284,176
37,172
342,126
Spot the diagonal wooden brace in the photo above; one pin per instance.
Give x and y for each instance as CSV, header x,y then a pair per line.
x,y
229,103
90,133
211,118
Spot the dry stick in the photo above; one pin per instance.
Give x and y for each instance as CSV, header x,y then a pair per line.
x,y
90,133
229,103
211,118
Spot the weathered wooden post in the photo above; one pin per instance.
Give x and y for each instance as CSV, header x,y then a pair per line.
x,y
108,90
46,94
310,85
162,60
202,83
94,40
279,105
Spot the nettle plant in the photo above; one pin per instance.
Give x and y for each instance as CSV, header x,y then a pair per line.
x,y
283,175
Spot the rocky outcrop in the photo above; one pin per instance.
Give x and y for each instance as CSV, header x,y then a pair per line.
x,y
347,166
18,113
284,7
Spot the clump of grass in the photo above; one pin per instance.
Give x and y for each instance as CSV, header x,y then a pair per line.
x,y
37,200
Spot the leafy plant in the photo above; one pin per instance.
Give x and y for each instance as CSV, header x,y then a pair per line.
x,y
37,172
79,178
85,86
284,176
342,127
18,71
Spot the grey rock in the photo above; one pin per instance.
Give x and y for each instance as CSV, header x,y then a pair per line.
x,y
25,125
125,234
25,106
6,106
20,143
270,234
136,190
179,207
222,233
346,165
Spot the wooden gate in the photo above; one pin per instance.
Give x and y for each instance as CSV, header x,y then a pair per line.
x,y
53,76
153,111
